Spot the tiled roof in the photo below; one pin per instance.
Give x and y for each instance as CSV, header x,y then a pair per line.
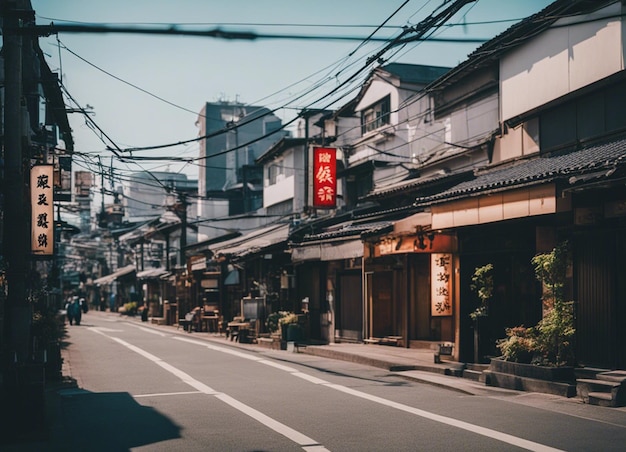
x,y
348,229
415,73
607,156
415,183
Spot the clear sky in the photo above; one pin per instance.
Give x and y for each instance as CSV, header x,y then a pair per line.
x,y
173,76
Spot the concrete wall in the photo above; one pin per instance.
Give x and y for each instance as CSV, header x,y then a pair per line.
x,y
561,60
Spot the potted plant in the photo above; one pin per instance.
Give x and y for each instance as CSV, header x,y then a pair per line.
x,y
273,322
289,326
47,330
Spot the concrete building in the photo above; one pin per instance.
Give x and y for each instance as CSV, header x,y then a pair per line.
x,y
233,135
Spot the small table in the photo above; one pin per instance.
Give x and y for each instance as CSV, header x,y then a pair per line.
x,y
209,323
235,328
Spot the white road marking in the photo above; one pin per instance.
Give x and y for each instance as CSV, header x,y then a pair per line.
x,y
226,350
494,434
151,331
278,366
161,394
504,437
104,329
307,443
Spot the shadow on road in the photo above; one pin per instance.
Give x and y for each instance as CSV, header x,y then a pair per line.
x,y
109,421
81,420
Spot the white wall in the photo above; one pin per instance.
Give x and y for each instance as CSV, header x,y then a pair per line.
x,y
210,209
561,60
279,192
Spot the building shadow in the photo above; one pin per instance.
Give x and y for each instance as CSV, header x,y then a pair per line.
x,y
77,419
109,422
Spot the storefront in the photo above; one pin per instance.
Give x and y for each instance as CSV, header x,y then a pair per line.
x,y
411,284
151,283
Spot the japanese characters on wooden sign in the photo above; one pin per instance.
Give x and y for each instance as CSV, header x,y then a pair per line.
x,y
42,208
441,284
324,178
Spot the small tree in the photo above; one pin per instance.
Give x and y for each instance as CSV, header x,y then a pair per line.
x,y
550,342
482,284
555,331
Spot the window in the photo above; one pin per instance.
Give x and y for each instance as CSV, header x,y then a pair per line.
x,y
582,118
376,115
275,172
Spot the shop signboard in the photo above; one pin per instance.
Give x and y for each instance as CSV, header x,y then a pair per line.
x,y
42,210
441,284
324,178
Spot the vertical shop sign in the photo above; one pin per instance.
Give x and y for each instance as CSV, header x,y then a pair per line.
x,y
441,284
324,177
42,208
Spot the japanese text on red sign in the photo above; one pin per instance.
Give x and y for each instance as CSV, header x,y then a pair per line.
x,y
324,177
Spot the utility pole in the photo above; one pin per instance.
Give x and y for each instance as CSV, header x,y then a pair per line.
x,y
181,212
22,404
16,223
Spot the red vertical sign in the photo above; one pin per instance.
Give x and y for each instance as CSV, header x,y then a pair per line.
x,y
324,177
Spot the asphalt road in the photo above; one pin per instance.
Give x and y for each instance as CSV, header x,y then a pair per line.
x,y
141,388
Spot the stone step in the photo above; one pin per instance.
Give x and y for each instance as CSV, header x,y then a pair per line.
x,y
601,392
472,374
618,376
595,385
477,367
589,372
602,399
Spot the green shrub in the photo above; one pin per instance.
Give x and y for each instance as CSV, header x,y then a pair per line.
x,y
482,284
519,346
130,308
550,342
273,320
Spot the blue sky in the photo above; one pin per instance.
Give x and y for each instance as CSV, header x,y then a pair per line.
x,y
186,72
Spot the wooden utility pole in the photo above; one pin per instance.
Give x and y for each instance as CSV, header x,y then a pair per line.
x,y
181,212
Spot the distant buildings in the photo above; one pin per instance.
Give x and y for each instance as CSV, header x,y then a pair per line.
x,y
227,168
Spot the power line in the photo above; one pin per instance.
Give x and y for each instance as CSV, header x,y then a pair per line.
x,y
173,30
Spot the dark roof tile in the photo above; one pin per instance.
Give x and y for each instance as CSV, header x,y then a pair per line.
x,y
538,170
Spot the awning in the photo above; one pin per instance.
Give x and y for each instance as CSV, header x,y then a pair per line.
x,y
340,241
409,224
108,279
253,242
332,251
350,249
152,273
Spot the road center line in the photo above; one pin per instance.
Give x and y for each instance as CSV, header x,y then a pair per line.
x,y
494,434
302,440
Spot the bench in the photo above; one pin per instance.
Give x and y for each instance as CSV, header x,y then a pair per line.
x,y
187,322
443,349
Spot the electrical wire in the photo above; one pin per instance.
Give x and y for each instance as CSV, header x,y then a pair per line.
x,y
344,84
